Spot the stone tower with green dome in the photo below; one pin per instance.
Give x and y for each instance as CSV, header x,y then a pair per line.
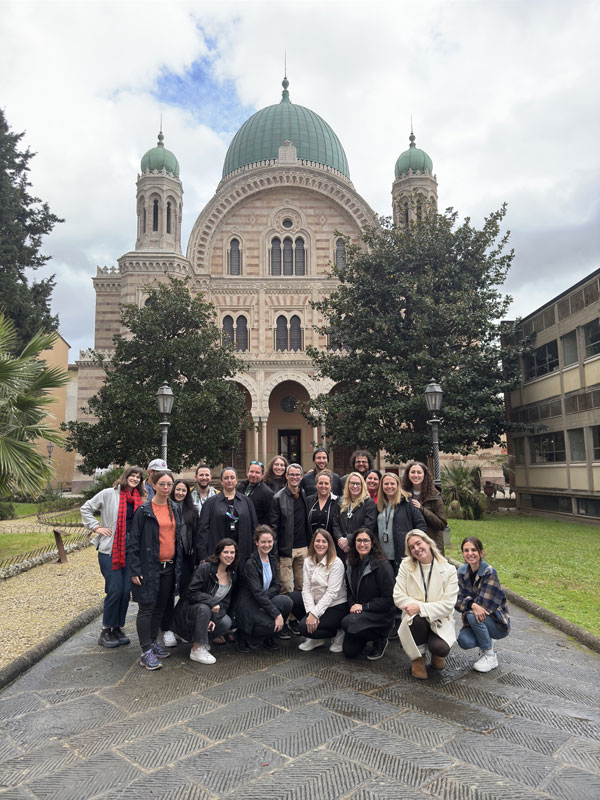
x,y
159,201
415,186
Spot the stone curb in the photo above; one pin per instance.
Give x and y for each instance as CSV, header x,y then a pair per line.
x,y
581,635
21,664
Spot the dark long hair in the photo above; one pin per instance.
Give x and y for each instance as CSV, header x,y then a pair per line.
x,y
427,487
214,559
121,483
376,553
188,509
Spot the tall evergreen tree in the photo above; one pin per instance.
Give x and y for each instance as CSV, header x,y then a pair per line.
x,y
24,220
173,338
415,303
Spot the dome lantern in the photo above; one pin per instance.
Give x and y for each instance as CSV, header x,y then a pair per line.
x,y
413,159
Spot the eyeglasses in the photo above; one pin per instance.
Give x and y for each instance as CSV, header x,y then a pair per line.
x,y
362,541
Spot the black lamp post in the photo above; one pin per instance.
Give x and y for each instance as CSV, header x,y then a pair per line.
x,y
50,449
433,398
165,400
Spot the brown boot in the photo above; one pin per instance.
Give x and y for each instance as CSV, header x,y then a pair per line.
x,y
419,670
437,662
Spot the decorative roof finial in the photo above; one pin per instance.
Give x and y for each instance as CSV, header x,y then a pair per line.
x,y
412,136
161,139
285,95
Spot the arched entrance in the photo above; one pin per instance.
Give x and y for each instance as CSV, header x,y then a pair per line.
x,y
288,433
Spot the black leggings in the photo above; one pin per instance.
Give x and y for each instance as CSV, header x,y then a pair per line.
x,y
422,634
329,622
150,615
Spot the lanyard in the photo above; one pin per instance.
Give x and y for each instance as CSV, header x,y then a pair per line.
x,y
426,585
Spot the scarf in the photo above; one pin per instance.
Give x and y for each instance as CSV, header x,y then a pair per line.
x,y
120,540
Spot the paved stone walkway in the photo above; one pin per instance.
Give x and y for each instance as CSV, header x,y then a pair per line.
x,y
90,723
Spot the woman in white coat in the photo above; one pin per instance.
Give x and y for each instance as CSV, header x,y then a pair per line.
x,y
426,590
117,507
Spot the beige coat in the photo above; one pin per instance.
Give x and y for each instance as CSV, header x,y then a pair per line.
x,y
439,608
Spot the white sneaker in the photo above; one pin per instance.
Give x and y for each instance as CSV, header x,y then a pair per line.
x,y
337,642
169,639
310,644
201,655
486,663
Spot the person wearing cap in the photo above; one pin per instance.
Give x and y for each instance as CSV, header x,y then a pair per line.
x,y
257,491
156,465
309,481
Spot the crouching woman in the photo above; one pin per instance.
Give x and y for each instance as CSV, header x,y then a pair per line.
x,y
203,610
426,590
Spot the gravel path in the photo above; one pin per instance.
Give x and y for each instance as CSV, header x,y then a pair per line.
x,y
42,600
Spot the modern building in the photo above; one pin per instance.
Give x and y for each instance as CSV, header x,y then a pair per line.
x,y
260,251
557,459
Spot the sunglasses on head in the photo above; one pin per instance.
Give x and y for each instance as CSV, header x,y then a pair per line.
x,y
258,463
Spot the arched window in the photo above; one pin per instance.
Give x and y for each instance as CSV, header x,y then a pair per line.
x,y
155,215
241,334
295,334
340,253
228,330
276,256
299,256
281,334
288,256
144,221
168,217
405,207
419,212
234,257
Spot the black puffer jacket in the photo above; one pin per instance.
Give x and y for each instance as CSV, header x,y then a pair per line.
x,y
143,553
201,591
371,583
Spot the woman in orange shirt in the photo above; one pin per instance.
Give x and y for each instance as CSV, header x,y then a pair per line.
x,y
155,558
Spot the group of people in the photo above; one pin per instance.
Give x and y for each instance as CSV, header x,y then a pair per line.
x,y
351,561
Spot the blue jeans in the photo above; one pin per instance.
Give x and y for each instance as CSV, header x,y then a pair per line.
x,y
117,585
480,634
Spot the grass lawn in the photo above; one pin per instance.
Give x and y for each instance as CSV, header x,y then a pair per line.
x,y
25,509
552,563
13,544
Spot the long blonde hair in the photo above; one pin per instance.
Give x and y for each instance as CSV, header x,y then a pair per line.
x,y
410,559
347,499
399,497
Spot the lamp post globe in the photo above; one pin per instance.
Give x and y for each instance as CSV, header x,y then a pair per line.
x,y
434,395
164,400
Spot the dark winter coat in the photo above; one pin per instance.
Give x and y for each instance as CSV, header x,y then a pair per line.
x,y
282,521
371,584
201,591
309,483
215,525
332,510
143,553
434,512
365,516
406,518
261,497
251,597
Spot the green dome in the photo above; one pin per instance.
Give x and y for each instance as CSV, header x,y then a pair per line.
x,y
414,159
160,158
261,136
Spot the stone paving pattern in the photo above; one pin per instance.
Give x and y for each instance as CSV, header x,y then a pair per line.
x,y
90,723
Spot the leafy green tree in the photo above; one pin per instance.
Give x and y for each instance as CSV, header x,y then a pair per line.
x,y
25,384
415,303
24,220
173,338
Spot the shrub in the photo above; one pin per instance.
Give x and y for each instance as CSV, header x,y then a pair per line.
x,y
460,492
7,510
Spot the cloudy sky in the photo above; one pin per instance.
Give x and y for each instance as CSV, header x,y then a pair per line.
x,y
503,94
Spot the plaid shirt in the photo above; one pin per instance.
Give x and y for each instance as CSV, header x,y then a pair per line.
x,y
485,590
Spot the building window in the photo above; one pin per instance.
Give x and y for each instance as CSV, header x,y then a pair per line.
x,y
577,444
144,222
546,502
340,254
519,450
235,257
588,507
228,337
289,339
596,442
549,448
287,223
569,348
406,213
542,361
294,256
168,217
155,215
276,256
281,334
241,334
591,338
